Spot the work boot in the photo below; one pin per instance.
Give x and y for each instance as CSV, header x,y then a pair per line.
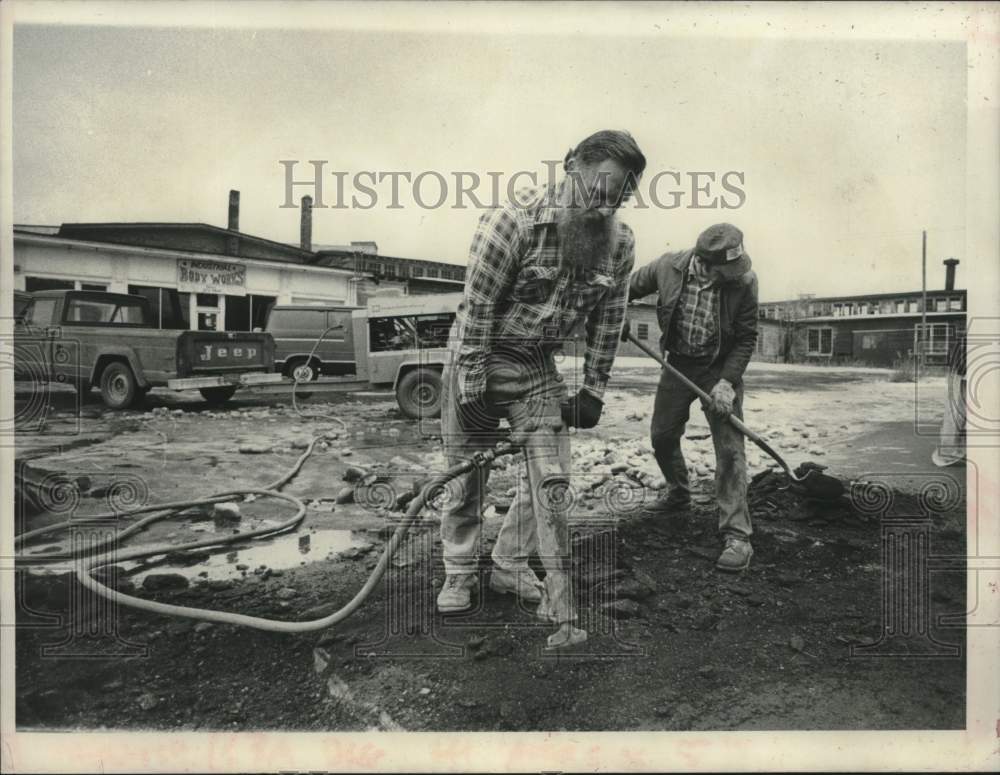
x,y
736,556
456,592
670,503
522,582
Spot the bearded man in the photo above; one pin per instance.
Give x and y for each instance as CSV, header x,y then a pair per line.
x,y
550,265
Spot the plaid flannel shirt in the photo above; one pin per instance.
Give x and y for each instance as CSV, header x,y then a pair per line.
x,y
517,292
694,331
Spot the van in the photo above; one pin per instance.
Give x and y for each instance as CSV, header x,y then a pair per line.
x,y
296,328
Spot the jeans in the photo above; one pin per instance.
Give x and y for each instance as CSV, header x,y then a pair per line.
x,y
671,412
528,390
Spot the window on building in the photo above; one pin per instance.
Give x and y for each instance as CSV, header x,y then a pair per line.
x,y
432,272
940,305
32,284
955,304
912,306
838,310
819,340
937,338
900,305
762,313
390,270
642,331
418,271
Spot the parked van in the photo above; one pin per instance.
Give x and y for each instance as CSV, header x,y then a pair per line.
x,y
295,329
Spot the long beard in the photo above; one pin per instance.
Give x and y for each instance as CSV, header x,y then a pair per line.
x,y
586,238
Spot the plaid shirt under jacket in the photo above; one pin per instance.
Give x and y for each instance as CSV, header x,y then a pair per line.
x,y
695,328
516,292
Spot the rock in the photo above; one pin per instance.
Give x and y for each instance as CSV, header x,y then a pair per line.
x,y
286,593
705,621
203,627
424,691
345,495
817,451
684,601
254,449
346,452
338,689
622,608
619,468
148,701
113,686
354,474
321,660
300,443
156,582
706,671
400,463
755,600
227,512
797,643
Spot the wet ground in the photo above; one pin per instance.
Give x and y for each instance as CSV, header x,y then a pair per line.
x,y
797,642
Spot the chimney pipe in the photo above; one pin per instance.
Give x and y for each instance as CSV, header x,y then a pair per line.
x,y
305,229
233,242
949,273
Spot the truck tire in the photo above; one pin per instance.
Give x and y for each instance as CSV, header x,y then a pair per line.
x,y
217,395
419,394
301,370
118,386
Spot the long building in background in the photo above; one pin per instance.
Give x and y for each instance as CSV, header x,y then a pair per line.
x,y
878,329
202,277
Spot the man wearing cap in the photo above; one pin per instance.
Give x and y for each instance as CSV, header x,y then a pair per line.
x,y
707,311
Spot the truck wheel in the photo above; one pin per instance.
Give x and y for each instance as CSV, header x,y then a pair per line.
x,y
217,395
419,393
118,386
303,371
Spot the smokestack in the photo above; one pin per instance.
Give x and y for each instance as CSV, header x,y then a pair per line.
x,y
234,211
949,273
306,227
233,242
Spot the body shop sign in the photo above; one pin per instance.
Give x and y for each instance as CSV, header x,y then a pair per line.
x,y
194,276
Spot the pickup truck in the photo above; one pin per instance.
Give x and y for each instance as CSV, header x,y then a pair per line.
x,y
107,340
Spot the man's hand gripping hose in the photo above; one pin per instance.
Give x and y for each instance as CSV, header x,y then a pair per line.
x,y
164,510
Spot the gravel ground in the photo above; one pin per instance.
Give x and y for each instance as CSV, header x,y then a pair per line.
x,y
790,644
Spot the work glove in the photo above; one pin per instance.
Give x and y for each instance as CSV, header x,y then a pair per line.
x,y
722,396
583,410
477,416
626,330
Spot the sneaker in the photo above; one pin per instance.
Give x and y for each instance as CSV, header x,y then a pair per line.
x,y
522,582
736,556
456,592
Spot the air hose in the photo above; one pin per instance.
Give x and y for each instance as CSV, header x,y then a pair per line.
x,y
161,511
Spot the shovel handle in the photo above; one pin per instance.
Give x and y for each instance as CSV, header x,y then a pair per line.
x,y
736,421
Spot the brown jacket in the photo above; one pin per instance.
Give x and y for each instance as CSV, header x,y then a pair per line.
x,y
737,309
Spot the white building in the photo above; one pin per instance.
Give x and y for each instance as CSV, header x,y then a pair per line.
x,y
195,276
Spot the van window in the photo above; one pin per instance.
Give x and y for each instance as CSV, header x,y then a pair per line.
x,y
297,320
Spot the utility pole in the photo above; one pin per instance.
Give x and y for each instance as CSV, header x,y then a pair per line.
x,y
923,304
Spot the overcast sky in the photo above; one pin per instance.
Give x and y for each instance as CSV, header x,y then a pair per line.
x,y
847,148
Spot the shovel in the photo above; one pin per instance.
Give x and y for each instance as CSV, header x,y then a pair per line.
x,y
808,477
